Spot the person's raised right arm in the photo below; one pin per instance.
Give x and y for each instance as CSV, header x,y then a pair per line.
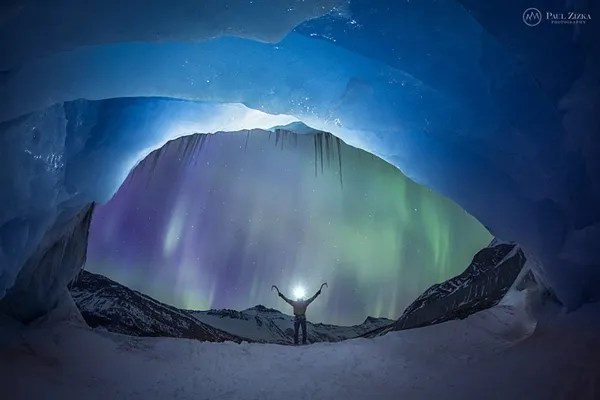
x,y
290,302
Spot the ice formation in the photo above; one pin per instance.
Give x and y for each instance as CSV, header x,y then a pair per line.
x,y
80,152
460,95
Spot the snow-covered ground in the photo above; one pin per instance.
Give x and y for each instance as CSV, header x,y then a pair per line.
x,y
490,355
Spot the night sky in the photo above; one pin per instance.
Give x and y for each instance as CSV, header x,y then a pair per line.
x,y
217,232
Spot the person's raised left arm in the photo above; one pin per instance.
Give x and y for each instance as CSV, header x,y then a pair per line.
x,y
314,297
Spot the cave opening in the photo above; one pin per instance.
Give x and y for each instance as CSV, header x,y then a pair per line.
x,y
211,221
471,99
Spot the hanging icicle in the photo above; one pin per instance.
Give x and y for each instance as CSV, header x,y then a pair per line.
x,y
190,147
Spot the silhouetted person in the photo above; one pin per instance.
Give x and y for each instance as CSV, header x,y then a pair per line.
x,y
299,306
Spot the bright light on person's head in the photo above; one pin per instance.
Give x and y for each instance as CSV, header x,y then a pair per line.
x,y
299,292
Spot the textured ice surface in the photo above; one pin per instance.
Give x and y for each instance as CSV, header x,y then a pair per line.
x,y
68,24
70,155
460,95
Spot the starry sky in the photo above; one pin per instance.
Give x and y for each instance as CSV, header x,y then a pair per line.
x,y
250,211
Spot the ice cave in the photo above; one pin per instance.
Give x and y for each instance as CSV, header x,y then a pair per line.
x,y
474,99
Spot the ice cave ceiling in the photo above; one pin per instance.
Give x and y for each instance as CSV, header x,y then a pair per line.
x,y
461,95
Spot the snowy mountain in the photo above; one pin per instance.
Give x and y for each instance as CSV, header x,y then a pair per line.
x,y
116,308
482,285
262,324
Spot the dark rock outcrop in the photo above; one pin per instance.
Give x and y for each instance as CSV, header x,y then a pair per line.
x,y
116,308
482,285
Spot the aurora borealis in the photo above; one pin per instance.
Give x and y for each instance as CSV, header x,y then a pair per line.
x,y
247,214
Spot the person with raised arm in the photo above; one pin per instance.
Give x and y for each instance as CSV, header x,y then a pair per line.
x,y
299,305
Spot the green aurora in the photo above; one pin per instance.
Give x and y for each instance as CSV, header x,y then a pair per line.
x,y
260,209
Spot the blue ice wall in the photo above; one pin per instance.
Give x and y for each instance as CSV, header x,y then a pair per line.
x,y
444,90
35,28
74,153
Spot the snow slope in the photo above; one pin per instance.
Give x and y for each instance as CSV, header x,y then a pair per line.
x,y
267,325
486,356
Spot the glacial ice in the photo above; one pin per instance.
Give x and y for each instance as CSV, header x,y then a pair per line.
x,y
43,27
75,153
452,99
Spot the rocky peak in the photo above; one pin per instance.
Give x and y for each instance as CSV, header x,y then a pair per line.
x,y
482,285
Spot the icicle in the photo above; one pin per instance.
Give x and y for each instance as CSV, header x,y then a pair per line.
x,y
200,142
321,150
182,142
203,143
247,137
186,150
154,157
327,148
190,147
130,178
339,148
315,145
196,148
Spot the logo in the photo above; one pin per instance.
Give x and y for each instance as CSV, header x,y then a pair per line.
x,y
532,17
569,18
